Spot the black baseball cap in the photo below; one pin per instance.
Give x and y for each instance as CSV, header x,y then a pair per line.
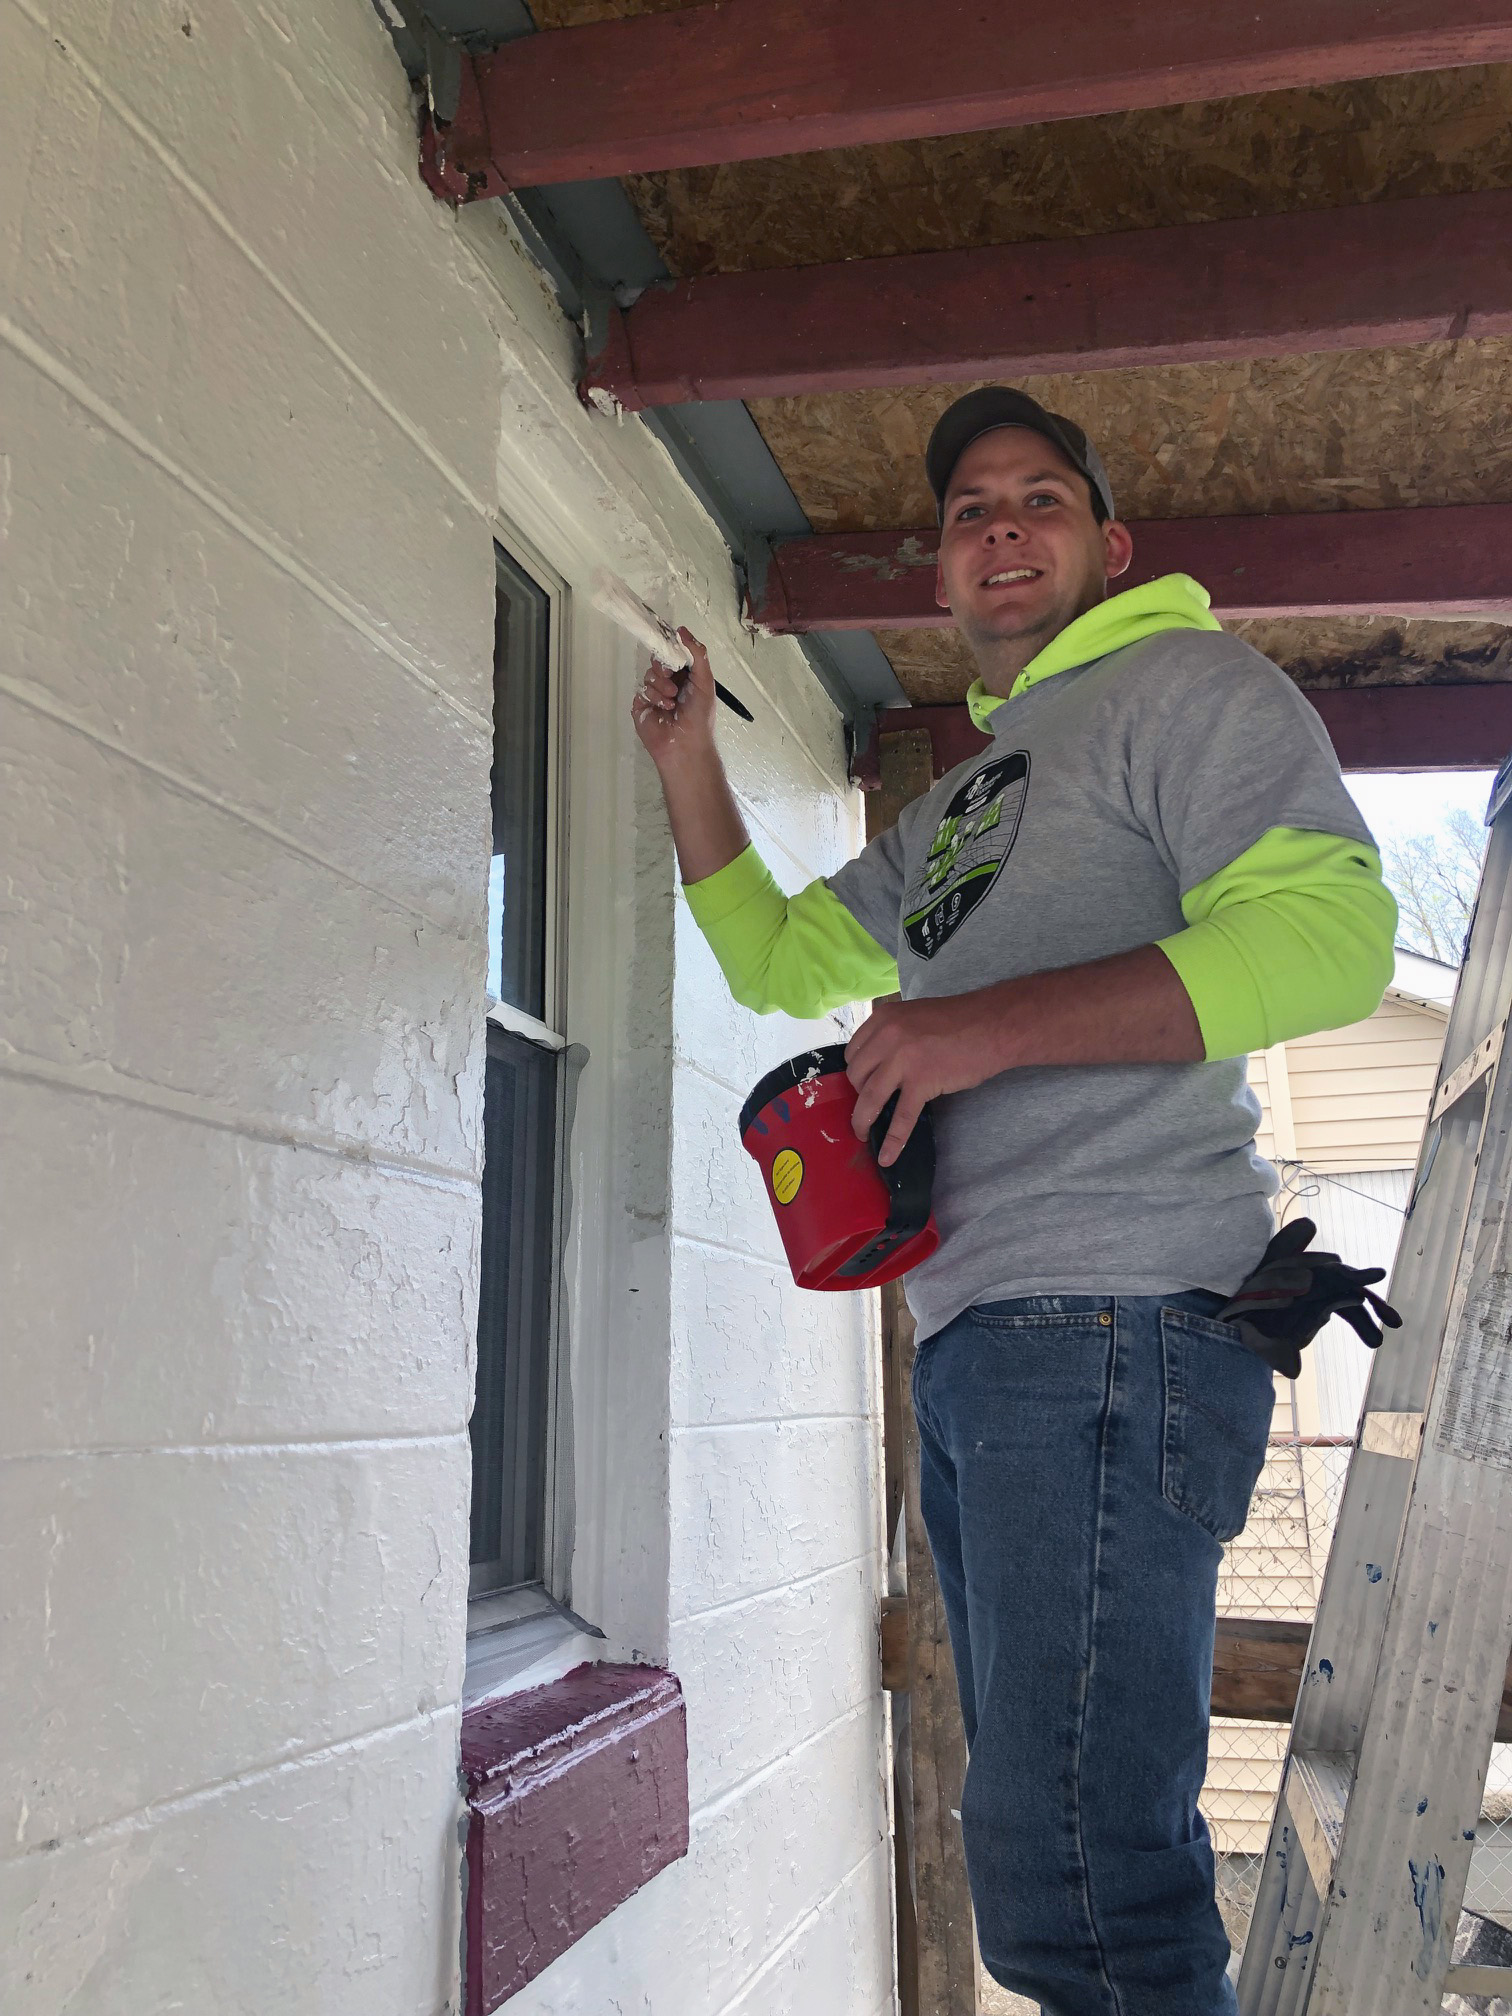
x,y
1000,406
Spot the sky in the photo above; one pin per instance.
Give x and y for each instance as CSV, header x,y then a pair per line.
x,y
1395,805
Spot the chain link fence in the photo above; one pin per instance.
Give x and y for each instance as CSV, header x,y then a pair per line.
x,y
1275,1569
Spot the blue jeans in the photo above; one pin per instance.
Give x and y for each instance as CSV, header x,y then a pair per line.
x,y
1081,1458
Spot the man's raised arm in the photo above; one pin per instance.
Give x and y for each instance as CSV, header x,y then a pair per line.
x,y
800,955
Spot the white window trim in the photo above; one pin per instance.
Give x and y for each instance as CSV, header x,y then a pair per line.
x,y
608,1518
520,1637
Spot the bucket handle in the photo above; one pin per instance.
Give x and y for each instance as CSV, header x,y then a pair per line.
x,y
909,1180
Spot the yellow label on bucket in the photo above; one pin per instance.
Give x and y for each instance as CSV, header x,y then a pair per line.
x,y
787,1175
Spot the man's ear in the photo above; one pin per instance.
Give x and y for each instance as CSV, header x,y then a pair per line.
x,y
942,600
1118,548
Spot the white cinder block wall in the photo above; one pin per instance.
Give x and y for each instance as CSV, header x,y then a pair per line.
x,y
263,408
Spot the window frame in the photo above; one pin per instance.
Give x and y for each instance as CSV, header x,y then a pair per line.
x,y
493,1612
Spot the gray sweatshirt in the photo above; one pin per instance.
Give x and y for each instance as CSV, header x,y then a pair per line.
x,y
1108,793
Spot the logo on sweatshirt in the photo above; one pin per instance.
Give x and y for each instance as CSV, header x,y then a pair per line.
x,y
974,838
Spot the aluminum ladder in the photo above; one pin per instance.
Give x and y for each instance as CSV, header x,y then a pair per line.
x,y
1365,1870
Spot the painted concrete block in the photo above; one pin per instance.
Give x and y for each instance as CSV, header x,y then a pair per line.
x,y
315,1003
800,829
764,1675
172,1283
749,1345
717,1191
174,1618
731,1044
63,839
23,65
159,627
807,719
834,1959
291,1292
762,1506
327,1886
129,284
324,93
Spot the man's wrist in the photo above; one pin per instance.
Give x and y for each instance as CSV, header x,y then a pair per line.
x,y
675,761
995,1025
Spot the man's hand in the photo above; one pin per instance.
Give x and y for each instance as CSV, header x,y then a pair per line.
x,y
1129,1009
674,711
673,714
920,1049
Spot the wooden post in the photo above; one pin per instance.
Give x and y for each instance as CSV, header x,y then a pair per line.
x,y
948,1977
938,1969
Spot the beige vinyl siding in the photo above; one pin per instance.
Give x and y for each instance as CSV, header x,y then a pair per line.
x,y
1359,1096
1260,1085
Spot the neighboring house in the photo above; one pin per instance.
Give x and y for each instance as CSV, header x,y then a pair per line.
x,y
1343,1115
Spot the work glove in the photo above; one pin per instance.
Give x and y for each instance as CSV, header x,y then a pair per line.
x,y
1281,1307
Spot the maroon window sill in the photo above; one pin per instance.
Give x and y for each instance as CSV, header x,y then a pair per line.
x,y
577,1794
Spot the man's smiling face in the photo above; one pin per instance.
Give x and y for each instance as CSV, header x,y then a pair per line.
x,y
1021,551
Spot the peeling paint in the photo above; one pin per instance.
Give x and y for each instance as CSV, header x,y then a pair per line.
x,y
1428,1900
909,554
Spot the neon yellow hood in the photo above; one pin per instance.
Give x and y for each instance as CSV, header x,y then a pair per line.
x,y
1174,602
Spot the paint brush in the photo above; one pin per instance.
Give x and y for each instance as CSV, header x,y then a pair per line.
x,y
620,603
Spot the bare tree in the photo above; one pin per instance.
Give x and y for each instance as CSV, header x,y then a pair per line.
x,y
1433,877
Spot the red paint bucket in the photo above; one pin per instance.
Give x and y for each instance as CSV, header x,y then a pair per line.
x,y
845,1221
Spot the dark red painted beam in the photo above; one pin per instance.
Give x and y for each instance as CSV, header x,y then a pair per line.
x,y
1418,727
1449,560
952,738
733,81
1371,728
1382,273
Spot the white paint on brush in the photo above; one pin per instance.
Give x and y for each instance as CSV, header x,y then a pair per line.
x,y
620,603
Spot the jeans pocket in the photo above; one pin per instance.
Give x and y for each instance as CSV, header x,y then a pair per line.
x,y
1219,1399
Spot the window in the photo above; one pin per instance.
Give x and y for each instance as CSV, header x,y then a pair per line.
x,y
513,1410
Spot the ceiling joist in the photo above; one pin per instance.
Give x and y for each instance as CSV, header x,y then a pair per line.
x,y
742,79
1378,275
1452,561
1388,728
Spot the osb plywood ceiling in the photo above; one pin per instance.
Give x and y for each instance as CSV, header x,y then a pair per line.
x,y
1438,133
1340,651
1349,431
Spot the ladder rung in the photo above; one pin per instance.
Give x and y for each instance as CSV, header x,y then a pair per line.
x,y
1474,1068
1392,1434
1317,1794
1479,1981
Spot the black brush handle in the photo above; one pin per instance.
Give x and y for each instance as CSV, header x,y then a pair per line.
x,y
721,693
735,706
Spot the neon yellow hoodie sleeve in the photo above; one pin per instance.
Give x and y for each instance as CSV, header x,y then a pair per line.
x,y
1296,934
797,955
